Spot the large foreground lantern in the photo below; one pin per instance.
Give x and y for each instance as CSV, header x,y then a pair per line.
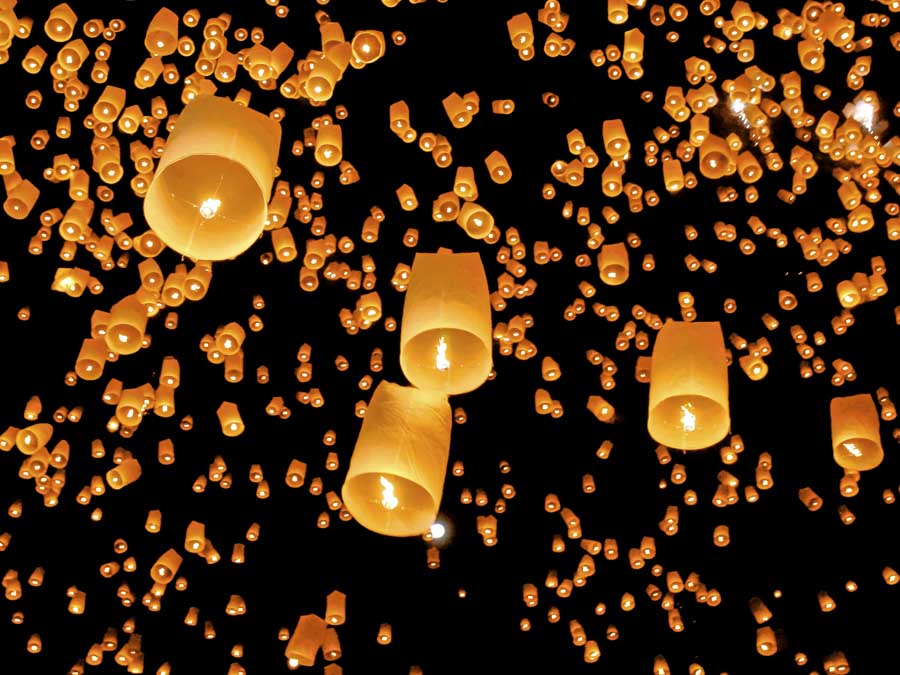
x,y
396,474
445,336
689,386
855,435
209,195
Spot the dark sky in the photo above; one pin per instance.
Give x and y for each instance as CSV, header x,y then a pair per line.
x,y
779,551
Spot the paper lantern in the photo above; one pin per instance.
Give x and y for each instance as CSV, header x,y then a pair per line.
x,y
123,474
336,608
689,386
305,641
209,195
445,334
166,567
127,322
855,436
161,38
230,419
21,196
396,474
32,438
91,359
367,46
329,145
613,263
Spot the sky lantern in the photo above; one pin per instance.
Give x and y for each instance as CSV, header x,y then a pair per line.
x,y
855,436
396,475
445,333
689,386
210,192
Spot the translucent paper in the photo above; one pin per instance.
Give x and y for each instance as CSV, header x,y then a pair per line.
x,y
855,436
396,475
209,196
689,386
445,334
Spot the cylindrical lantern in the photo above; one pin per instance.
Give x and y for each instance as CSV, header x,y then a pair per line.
x,y
209,195
396,475
305,641
335,608
165,568
445,334
91,359
161,38
329,145
123,474
613,264
689,386
855,436
32,438
127,322
230,419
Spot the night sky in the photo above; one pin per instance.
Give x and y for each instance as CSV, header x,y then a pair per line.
x,y
466,615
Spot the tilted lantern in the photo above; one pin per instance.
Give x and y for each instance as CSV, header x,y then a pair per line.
x,y
209,195
396,474
689,386
855,436
445,335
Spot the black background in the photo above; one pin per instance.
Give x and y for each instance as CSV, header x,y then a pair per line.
x,y
461,46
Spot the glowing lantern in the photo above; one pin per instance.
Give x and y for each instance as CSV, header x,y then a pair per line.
x,y
21,196
613,264
521,31
855,434
161,38
123,474
91,358
689,386
209,195
717,158
336,608
766,642
165,568
32,438
305,641
445,334
61,23
329,145
127,322
396,475
230,419
367,46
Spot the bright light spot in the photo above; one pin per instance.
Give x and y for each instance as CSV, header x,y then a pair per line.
x,y
853,450
440,360
438,531
209,208
688,419
864,113
388,499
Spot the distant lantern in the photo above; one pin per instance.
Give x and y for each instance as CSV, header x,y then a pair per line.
x,y
445,334
855,436
209,195
689,386
396,475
